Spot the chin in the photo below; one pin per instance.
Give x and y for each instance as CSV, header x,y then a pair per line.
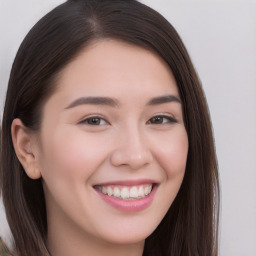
x,y
127,234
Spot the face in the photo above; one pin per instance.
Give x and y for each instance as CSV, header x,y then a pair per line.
x,y
112,144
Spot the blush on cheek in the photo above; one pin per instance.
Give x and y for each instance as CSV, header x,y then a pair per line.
x,y
173,158
75,155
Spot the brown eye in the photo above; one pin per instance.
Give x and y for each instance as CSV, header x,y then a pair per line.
x,y
162,120
94,121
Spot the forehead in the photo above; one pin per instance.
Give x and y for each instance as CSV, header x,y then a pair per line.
x,y
115,69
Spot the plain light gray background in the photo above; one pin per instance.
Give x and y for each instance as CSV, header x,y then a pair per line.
x,y
220,36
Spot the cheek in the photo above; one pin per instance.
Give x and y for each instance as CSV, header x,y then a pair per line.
x,y
70,155
69,161
172,153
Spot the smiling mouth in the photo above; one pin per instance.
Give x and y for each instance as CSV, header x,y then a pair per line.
x,y
125,192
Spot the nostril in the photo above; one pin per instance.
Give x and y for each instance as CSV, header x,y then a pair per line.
x,y
134,159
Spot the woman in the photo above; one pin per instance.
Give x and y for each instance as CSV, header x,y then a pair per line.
x,y
107,139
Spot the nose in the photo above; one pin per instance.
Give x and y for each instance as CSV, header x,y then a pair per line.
x,y
132,150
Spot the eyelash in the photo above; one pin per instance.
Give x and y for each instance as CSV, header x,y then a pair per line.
x,y
96,120
169,119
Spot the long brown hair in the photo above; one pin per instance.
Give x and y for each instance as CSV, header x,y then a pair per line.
x,y
190,227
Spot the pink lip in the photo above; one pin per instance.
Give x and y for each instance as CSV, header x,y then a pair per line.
x,y
129,205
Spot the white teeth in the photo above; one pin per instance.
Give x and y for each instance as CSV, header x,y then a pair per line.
x,y
125,192
148,190
141,191
109,191
104,190
117,192
134,192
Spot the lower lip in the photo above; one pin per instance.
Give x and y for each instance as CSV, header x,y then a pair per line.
x,y
129,205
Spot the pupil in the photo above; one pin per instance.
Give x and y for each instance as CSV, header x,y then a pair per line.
x,y
157,119
95,121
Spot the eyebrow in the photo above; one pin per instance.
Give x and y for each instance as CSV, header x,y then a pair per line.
x,y
164,99
94,101
106,101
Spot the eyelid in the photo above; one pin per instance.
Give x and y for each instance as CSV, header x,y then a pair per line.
x,y
87,118
170,118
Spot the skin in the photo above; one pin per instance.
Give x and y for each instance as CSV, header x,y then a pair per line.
x,y
72,154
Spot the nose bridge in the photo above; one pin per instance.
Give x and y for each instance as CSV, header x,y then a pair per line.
x,y
132,147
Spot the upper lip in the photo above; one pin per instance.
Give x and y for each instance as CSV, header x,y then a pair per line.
x,y
128,182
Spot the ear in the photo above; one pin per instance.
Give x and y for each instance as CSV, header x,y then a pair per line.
x,y
25,147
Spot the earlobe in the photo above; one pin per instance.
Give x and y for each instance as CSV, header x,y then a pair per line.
x,y
24,146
